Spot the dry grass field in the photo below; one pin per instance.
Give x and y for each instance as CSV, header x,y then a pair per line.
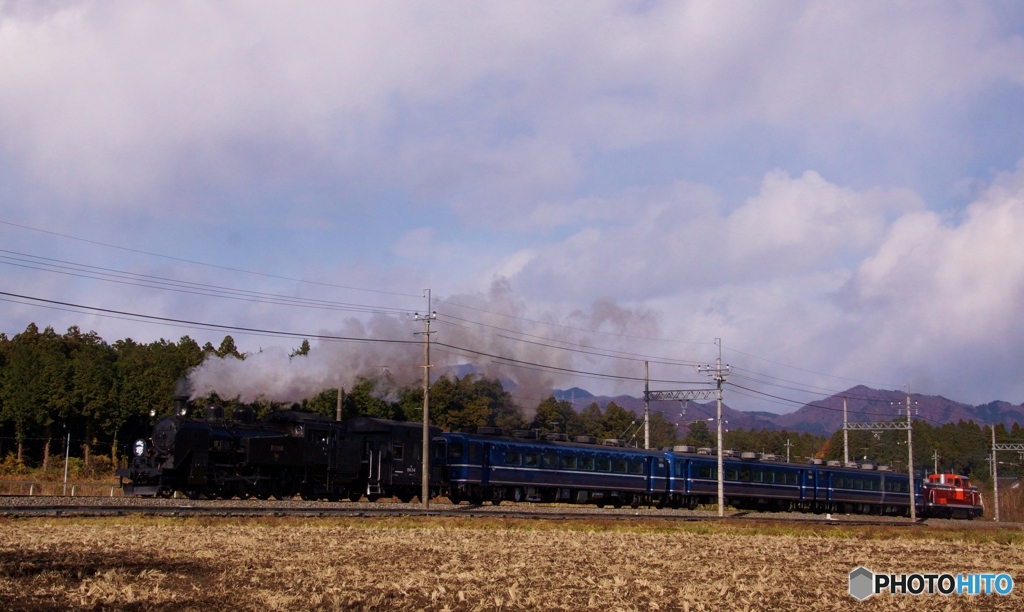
x,y
480,564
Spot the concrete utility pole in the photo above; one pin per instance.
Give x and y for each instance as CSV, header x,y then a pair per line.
x,y
789,445
935,456
910,461
341,398
846,436
425,474
719,375
647,405
995,473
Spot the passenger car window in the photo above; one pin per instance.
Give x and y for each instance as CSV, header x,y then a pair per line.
x,y
455,450
568,463
550,460
587,463
513,458
604,464
531,459
473,451
397,451
636,466
619,466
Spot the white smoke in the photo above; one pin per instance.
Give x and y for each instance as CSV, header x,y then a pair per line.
x,y
492,334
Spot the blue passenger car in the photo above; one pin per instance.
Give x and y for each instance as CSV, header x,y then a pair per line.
x,y
483,467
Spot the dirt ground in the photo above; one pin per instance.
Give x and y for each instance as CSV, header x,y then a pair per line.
x,y
479,564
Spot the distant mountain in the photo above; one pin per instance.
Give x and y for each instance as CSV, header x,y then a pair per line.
x,y
573,395
824,416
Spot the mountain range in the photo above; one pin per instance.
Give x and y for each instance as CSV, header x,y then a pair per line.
x,y
822,417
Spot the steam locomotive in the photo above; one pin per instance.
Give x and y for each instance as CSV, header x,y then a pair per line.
x,y
288,453
291,452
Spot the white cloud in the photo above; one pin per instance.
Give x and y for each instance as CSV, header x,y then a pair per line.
x,y
489,108
664,246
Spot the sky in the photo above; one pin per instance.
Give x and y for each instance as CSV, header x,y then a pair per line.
x,y
835,190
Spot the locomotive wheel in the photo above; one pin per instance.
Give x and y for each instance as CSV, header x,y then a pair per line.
x,y
617,502
517,495
372,498
354,496
241,490
193,493
263,493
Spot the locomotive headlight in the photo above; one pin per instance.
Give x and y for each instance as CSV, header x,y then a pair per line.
x,y
140,447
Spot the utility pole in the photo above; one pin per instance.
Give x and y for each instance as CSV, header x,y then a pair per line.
x,y
935,456
67,456
789,445
647,405
425,474
995,473
910,462
846,436
341,398
719,375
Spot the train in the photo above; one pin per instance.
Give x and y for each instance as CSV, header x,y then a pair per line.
x,y
292,452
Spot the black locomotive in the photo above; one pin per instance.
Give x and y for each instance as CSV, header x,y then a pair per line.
x,y
288,453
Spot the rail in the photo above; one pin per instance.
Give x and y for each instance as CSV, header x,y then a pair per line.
x,y
28,488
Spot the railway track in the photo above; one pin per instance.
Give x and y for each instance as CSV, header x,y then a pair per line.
x,y
400,510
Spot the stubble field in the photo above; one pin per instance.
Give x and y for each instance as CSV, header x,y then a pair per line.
x,y
477,564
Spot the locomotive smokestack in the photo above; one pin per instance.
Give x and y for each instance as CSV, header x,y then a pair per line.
x,y
180,396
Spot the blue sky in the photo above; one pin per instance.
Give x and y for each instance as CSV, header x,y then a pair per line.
x,y
835,189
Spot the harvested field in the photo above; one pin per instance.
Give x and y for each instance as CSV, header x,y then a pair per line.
x,y
462,564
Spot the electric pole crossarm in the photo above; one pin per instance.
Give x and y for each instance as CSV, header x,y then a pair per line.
x,y
1008,447
680,394
883,426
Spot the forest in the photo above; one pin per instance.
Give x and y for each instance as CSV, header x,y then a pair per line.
x,y
75,390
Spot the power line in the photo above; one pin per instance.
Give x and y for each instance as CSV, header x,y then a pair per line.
x,y
200,263
607,352
785,365
204,325
564,326
193,288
